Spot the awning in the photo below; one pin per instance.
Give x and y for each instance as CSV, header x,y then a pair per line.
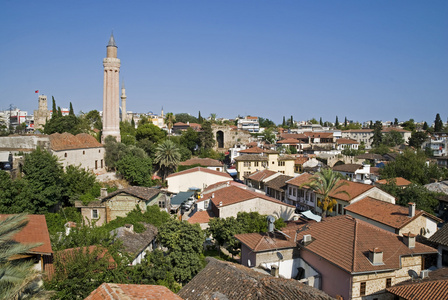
x,y
309,215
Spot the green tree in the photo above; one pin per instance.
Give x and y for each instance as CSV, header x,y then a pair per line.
x,y
15,274
269,136
149,131
184,248
345,122
425,126
393,138
284,122
167,157
336,124
190,139
206,136
266,123
377,137
136,170
438,124
324,183
200,118
409,125
71,112
395,122
170,119
417,139
78,181
184,118
320,122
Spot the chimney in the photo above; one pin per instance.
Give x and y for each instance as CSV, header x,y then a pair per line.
x,y
220,203
376,256
411,209
129,227
213,195
274,270
409,239
307,239
103,192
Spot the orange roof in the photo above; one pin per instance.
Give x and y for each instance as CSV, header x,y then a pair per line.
x,y
354,239
114,291
289,141
393,215
301,160
346,141
293,136
35,232
232,194
399,181
200,169
252,150
68,141
201,217
354,189
300,180
428,290
260,175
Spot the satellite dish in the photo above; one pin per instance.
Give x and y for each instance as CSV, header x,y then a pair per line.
x,y
279,255
413,274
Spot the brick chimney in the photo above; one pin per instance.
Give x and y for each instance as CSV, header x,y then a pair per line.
x,y
409,239
411,209
103,192
376,256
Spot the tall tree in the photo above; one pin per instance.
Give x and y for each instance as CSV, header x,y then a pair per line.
x,y
425,126
377,137
345,122
395,122
417,139
14,274
200,118
324,183
71,112
393,138
284,122
54,109
167,157
320,122
336,124
438,124
206,136
169,121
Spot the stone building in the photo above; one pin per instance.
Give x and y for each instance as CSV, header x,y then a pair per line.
x,y
271,160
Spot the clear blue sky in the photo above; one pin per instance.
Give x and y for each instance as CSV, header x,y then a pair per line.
x,y
360,59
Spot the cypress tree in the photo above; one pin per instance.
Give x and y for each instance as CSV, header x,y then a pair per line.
x,y
320,122
284,122
425,126
71,113
337,122
396,122
345,122
200,119
438,124
59,111
54,109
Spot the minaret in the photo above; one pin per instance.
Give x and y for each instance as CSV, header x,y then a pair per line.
x,y
111,98
123,103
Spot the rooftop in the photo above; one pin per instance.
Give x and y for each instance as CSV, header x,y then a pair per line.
x,y
68,141
144,193
206,162
200,169
115,291
399,181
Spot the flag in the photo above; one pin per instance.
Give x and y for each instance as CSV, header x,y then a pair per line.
x,y
36,91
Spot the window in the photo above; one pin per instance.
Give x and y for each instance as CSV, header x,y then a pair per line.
x,y
445,258
65,155
283,172
362,290
162,204
95,214
247,163
388,282
206,204
256,164
339,209
281,163
99,151
83,152
294,192
246,174
289,190
96,164
102,164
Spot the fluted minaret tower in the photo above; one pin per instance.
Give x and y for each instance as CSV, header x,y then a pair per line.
x,y
124,115
111,98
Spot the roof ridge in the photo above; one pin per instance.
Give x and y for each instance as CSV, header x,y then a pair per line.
x,y
354,244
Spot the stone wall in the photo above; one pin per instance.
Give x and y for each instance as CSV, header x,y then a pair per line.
x,y
121,205
231,137
25,143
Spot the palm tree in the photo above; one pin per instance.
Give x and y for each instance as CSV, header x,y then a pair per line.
x,y
15,274
169,121
167,157
324,183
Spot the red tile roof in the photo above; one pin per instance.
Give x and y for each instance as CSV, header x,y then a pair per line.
x,y
201,217
289,142
350,168
354,239
206,162
399,181
253,150
300,180
35,232
232,194
115,291
343,141
301,160
200,169
220,185
260,175
68,141
395,216
293,136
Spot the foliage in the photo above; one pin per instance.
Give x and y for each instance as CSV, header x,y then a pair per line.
x,y
56,221
352,152
438,124
116,151
136,170
324,183
15,274
149,131
269,136
210,153
127,132
92,120
424,199
377,138
409,125
184,118
380,149
77,181
393,138
167,157
412,166
417,139
184,248
206,136
266,123
190,139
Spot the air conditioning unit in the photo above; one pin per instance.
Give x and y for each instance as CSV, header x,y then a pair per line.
x,y
424,274
307,239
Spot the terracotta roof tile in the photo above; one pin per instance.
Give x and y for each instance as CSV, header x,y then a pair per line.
x,y
428,290
200,169
115,291
252,150
355,239
300,160
300,179
206,162
440,236
260,175
134,242
35,232
220,185
278,183
293,136
399,181
144,193
232,194
68,141
392,215
226,280
354,189
251,157
201,217
343,141
290,142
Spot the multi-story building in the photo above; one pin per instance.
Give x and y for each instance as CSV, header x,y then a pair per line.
x,y
271,160
438,144
249,123
365,135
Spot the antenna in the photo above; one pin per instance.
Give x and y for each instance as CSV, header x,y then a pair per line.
x,y
413,274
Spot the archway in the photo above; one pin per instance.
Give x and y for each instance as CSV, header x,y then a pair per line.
x,y
220,138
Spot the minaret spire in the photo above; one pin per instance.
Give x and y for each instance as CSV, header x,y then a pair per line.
x,y
112,41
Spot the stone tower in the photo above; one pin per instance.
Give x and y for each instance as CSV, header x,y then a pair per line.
x,y
42,114
124,115
111,97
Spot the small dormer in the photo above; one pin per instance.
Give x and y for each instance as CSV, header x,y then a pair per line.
x,y
409,240
376,256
